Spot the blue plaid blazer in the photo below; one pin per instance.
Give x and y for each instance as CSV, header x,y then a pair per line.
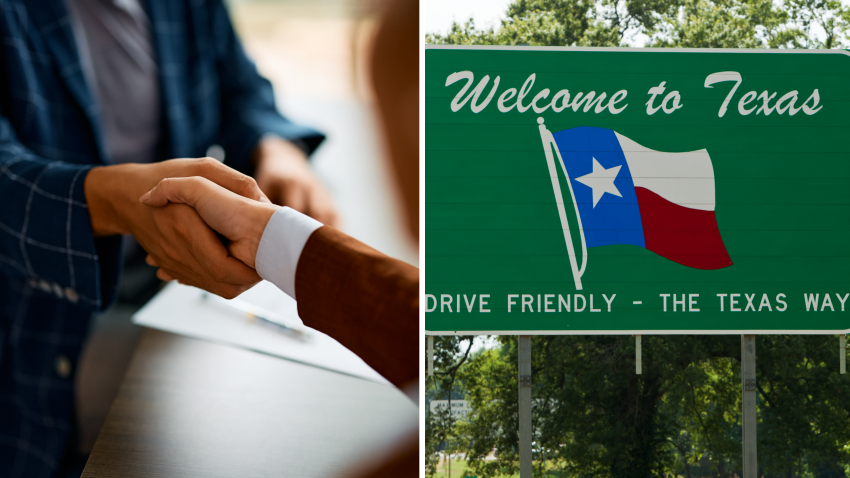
x,y
53,273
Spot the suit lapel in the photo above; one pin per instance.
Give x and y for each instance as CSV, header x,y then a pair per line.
x,y
53,22
168,29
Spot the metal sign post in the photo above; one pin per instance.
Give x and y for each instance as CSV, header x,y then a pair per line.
x,y
748,378
638,359
430,356
524,406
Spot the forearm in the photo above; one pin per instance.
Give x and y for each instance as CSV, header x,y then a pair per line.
x,y
366,300
46,236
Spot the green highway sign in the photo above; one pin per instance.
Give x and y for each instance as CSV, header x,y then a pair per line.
x,y
612,190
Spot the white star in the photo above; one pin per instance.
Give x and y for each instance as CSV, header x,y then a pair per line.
x,y
601,180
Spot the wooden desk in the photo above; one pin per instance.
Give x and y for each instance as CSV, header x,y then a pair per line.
x,y
188,408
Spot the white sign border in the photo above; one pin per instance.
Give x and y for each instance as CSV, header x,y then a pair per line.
x,y
632,49
643,331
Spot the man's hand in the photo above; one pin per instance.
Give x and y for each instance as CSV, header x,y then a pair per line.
x,y
239,219
176,239
284,175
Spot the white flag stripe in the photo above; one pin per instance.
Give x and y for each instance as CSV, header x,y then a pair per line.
x,y
686,179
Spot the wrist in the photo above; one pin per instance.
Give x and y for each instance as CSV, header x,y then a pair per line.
x,y
259,215
284,239
271,146
101,201
112,194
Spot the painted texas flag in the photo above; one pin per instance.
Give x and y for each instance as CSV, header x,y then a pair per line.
x,y
629,194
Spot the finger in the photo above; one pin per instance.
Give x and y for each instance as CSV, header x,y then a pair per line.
x,y
236,272
178,276
154,198
223,289
201,260
162,275
179,190
295,196
229,270
149,260
231,291
272,190
228,291
265,198
229,178
208,251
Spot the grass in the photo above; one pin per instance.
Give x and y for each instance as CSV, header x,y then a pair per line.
x,y
459,468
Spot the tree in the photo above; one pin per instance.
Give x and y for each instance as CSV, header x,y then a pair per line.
x,y
597,418
665,23
441,426
491,383
450,354
616,422
706,406
805,409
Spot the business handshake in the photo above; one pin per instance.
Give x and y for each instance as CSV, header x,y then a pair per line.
x,y
175,207
241,218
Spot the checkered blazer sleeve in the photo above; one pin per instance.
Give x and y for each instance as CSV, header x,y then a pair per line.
x,y
45,231
248,103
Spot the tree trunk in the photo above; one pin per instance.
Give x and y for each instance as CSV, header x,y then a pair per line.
x,y
450,461
451,425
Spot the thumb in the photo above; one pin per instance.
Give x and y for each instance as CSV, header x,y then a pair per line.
x,y
176,190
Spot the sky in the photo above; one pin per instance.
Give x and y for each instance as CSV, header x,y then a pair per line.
x,y
437,15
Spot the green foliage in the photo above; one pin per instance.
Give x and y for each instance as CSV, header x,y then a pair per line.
x,y
491,381
619,422
434,435
594,417
706,405
805,409
719,24
442,427
450,354
662,23
829,15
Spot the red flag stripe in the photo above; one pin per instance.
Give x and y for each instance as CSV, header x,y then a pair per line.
x,y
687,236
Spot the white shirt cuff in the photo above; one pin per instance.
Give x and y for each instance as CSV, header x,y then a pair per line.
x,y
281,245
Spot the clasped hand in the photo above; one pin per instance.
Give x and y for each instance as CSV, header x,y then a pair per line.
x,y
179,238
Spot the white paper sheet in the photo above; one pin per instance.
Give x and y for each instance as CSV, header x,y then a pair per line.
x,y
186,311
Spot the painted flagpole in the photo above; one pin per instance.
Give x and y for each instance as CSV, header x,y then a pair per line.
x,y
548,144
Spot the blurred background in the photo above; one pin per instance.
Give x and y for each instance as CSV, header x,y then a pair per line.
x,y
316,54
